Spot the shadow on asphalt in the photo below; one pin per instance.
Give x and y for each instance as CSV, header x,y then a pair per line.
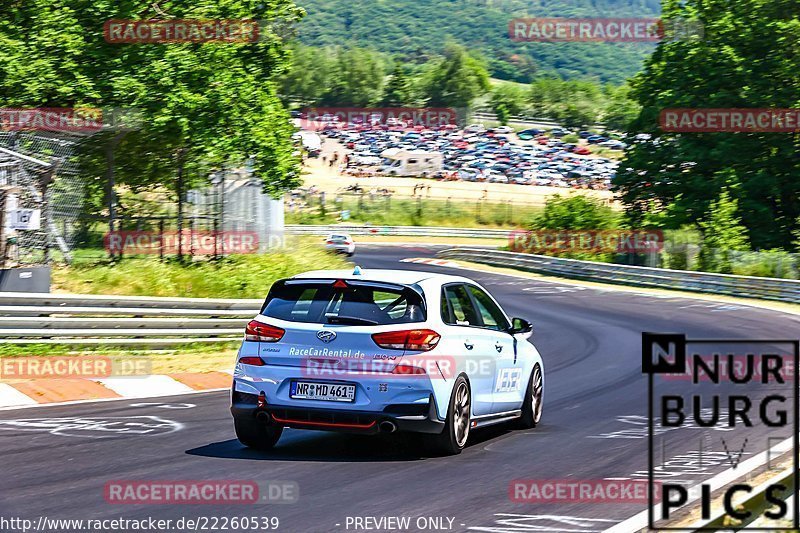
x,y
338,447
318,446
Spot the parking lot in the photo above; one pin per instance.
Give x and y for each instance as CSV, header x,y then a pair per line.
x,y
474,154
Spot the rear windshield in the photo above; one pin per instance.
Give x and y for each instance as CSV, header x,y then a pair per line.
x,y
358,303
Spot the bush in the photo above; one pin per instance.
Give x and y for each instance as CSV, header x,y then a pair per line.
x,y
576,211
774,263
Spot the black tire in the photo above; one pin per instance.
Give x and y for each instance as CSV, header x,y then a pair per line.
x,y
532,404
457,425
257,435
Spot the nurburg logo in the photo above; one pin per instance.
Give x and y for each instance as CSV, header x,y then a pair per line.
x,y
325,335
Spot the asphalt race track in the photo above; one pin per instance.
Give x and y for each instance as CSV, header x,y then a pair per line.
x,y
590,340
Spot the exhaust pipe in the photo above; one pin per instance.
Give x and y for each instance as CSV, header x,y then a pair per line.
x,y
263,417
387,426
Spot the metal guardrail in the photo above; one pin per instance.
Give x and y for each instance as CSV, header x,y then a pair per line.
x,y
149,302
487,114
479,116
784,290
27,318
420,231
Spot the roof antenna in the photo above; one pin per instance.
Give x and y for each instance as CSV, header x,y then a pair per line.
x,y
357,271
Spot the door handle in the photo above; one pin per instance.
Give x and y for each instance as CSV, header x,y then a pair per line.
x,y
498,347
468,345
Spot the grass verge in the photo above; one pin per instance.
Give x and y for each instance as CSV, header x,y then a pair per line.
x,y
457,213
236,276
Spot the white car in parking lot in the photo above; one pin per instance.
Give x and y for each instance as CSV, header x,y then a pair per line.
x,y
383,351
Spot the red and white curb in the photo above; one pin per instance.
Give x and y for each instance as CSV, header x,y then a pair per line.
x,y
430,261
50,391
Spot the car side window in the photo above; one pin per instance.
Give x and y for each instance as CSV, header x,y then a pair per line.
x,y
491,314
458,300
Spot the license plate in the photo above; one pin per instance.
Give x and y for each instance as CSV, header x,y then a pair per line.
x,y
329,392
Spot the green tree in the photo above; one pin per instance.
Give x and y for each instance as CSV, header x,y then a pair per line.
x,y
723,233
306,80
574,103
456,80
544,93
201,105
575,114
397,92
620,110
732,66
506,100
502,113
356,78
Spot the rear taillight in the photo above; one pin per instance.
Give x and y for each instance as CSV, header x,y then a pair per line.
x,y
412,339
252,361
258,331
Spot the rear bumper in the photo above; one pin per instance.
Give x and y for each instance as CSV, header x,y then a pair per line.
x,y
342,249
419,418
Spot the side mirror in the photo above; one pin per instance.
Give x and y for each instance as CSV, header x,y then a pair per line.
x,y
520,325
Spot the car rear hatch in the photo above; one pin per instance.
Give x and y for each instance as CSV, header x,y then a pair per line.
x,y
332,327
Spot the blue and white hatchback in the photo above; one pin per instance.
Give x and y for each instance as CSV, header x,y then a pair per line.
x,y
384,351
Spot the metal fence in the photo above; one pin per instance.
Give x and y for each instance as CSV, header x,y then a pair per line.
x,y
235,202
42,171
745,286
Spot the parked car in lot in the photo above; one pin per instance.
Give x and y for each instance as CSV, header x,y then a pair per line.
x,y
503,130
341,243
384,351
530,133
596,139
614,144
475,128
